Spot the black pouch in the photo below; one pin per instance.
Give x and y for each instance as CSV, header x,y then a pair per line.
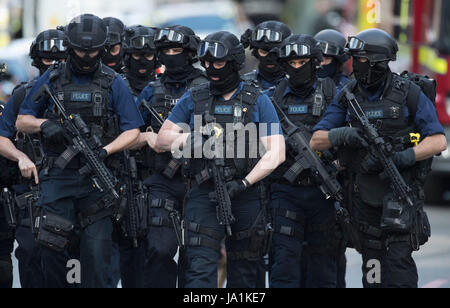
x,y
422,229
397,215
55,232
144,213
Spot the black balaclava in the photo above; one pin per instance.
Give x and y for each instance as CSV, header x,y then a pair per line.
x,y
41,66
109,58
301,79
270,74
229,78
370,77
142,63
178,67
329,70
78,63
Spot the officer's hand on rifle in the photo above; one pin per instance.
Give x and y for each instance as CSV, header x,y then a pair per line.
x,y
371,164
52,132
236,188
348,136
405,159
102,154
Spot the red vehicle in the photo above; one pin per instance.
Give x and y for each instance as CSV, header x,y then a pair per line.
x,y
431,56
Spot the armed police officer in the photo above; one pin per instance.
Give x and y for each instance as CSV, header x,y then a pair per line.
x,y
177,51
263,41
91,93
26,150
333,45
300,210
140,65
224,198
114,54
388,159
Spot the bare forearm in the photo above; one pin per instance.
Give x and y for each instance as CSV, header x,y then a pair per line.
x,y
123,142
29,124
274,157
320,141
430,147
9,150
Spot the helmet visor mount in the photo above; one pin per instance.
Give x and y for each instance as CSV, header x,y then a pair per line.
x,y
329,49
215,49
298,50
271,35
52,46
170,35
140,42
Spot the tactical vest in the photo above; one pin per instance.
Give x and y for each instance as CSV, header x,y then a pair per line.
x,y
238,110
308,114
89,100
30,144
164,100
388,116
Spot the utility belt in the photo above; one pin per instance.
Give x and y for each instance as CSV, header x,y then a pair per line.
x,y
300,182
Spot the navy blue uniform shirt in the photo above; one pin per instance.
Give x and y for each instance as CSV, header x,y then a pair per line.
x,y
341,81
263,112
426,119
120,101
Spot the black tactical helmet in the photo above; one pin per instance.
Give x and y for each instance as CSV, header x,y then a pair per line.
x,y
374,44
300,46
87,32
175,37
333,44
140,39
267,35
116,31
49,45
223,46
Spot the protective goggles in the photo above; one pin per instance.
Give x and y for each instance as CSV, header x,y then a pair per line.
x,y
329,49
52,46
139,42
216,50
271,35
296,49
357,45
170,35
114,39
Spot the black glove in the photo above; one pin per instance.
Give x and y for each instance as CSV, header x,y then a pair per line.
x,y
52,132
235,188
402,160
405,159
102,155
348,136
246,38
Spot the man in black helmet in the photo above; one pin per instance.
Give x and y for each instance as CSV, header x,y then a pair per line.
x,y
45,50
333,45
398,110
140,58
113,57
226,101
177,51
73,208
298,204
264,41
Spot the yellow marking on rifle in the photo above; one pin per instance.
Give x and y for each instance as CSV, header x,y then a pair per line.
x,y
320,154
219,131
245,110
415,138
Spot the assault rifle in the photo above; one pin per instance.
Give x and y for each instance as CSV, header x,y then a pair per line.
x,y
307,159
78,133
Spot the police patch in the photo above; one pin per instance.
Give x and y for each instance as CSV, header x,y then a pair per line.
x,y
375,114
224,110
85,97
298,109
